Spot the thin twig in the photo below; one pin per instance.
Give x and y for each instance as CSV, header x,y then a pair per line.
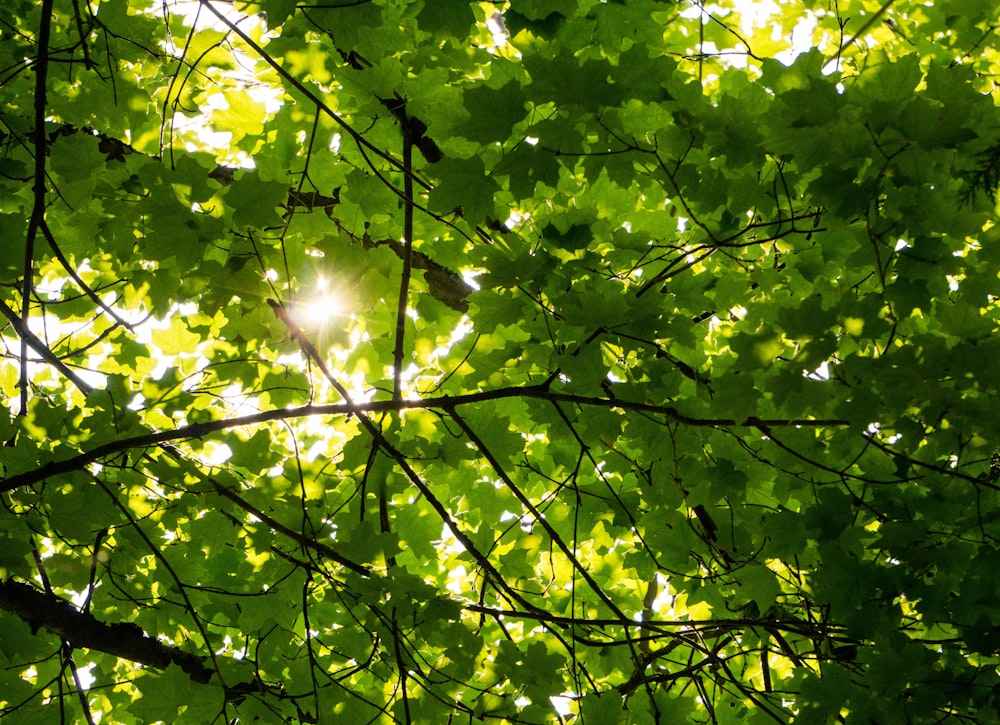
x,y
302,540
554,536
864,28
50,238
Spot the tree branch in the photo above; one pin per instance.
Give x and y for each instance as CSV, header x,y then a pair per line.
x,y
444,403
38,189
125,639
399,348
31,340
360,140
303,541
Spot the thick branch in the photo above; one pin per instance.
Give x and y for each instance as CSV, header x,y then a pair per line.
x,y
125,640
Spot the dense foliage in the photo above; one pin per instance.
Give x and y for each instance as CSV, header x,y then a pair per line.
x,y
566,360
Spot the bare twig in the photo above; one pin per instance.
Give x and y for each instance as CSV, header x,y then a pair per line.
x,y
50,238
864,28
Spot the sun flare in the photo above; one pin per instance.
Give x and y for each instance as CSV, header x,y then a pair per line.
x,y
319,311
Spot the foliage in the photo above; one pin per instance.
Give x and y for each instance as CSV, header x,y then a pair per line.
x,y
424,362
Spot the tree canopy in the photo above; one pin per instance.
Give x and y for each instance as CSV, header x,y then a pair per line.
x,y
401,361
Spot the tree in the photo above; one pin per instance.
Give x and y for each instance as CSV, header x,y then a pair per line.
x,y
425,362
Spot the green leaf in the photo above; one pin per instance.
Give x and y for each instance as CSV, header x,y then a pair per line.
x,y
255,202
493,112
760,585
196,702
464,186
448,17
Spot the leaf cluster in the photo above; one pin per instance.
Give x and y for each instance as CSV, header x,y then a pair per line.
x,y
575,361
